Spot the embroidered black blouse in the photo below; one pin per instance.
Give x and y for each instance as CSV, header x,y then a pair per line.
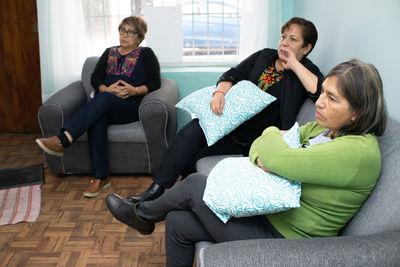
x,y
140,67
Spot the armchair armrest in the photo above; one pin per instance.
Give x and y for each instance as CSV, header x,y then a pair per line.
x,y
60,108
157,114
366,250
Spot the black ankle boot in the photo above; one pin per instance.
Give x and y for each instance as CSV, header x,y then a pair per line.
x,y
153,192
125,212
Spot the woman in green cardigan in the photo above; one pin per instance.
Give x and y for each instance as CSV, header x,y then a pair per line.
x,y
338,166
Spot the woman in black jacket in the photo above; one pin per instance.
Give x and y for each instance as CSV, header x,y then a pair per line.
x,y
285,73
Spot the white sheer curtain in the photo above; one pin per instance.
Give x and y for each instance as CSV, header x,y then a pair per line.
x,y
254,26
63,46
61,33
260,25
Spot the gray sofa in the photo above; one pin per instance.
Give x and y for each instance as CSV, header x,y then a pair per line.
x,y
371,238
137,147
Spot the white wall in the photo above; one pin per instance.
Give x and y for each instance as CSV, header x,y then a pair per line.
x,y
368,30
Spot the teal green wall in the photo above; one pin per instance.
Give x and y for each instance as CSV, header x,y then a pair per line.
x,y
364,29
274,24
279,12
189,80
287,10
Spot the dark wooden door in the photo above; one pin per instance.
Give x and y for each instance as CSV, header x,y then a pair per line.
x,y
20,86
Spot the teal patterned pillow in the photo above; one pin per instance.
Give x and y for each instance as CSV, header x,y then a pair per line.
x,y
237,188
242,101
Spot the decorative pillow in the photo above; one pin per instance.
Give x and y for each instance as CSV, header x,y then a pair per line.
x,y
242,101
237,188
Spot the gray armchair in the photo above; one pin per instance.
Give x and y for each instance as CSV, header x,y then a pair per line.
x,y
137,147
371,238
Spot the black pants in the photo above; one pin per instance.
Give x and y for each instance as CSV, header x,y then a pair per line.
x,y
187,147
95,117
189,220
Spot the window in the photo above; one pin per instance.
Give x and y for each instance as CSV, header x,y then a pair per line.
x,y
214,32
210,28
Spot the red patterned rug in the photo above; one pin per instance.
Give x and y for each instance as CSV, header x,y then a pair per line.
x,y
20,204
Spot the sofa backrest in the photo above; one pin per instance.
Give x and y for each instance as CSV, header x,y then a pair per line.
x,y
381,211
306,112
87,70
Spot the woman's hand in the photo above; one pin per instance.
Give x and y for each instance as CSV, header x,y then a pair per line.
x,y
217,103
289,59
123,89
116,89
127,90
258,161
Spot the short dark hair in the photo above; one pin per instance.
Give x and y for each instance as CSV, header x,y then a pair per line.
x,y
361,85
139,23
309,32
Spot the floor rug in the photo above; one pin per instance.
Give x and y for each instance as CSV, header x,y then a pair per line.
x,y
20,204
20,194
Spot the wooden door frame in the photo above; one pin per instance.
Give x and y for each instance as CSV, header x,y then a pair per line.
x,y
20,90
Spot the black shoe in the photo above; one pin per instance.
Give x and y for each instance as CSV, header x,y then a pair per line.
x,y
153,192
125,212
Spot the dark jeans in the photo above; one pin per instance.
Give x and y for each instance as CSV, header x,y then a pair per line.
x,y
189,220
95,117
187,147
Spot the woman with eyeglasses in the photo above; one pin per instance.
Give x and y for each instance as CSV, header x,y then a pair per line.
x,y
122,76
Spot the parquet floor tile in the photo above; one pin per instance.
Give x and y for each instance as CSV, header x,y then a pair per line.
x,y
73,230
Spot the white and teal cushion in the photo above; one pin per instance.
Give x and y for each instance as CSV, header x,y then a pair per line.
x,y
242,101
237,188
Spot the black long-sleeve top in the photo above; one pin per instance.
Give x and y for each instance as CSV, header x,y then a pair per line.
x,y
140,67
290,94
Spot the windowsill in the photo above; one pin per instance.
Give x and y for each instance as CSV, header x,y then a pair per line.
x,y
197,66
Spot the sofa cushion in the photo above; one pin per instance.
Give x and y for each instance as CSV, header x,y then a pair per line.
x,y
381,211
205,165
242,101
366,251
123,133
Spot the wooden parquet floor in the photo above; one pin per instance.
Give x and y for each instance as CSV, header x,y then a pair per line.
x,y
73,230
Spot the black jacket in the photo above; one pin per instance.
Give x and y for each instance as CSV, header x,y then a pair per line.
x,y
290,94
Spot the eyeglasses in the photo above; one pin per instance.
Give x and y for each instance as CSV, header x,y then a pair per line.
x,y
130,33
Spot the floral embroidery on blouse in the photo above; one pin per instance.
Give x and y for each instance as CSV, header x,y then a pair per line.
x,y
126,67
269,77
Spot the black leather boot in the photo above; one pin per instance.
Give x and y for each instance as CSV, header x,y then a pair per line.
x,y
125,212
153,192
